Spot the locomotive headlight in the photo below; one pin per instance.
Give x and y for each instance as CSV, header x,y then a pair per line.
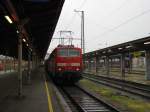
x,y
77,69
59,69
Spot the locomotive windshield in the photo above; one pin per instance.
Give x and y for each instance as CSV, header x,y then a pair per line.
x,y
63,52
73,52
68,52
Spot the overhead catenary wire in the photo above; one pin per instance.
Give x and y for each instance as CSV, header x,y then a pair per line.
x,y
82,4
123,4
70,22
73,17
126,22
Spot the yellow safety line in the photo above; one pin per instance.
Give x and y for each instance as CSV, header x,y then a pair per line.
x,y
48,98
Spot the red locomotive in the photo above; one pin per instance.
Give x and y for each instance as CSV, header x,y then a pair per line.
x,y
65,64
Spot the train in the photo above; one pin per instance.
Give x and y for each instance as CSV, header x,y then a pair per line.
x,y
64,64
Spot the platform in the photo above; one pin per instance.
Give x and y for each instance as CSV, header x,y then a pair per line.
x,y
138,78
37,96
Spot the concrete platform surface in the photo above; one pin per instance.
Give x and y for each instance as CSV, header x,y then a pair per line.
x,y
35,96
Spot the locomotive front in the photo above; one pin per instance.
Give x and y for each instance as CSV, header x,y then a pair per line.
x,y
68,63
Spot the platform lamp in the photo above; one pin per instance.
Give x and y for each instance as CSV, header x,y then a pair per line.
x,y
82,30
8,19
82,33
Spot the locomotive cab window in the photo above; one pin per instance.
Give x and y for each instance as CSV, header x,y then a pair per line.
x,y
73,52
63,52
68,52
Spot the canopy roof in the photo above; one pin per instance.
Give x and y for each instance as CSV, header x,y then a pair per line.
x,y
38,19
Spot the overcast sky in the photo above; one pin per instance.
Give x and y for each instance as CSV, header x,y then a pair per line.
x,y
107,22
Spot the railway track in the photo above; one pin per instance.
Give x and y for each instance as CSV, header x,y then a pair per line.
x,y
127,86
84,101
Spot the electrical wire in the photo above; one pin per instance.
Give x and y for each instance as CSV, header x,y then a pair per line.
x,y
124,3
73,17
126,22
71,21
82,4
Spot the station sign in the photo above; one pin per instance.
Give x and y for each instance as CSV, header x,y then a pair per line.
x,y
137,54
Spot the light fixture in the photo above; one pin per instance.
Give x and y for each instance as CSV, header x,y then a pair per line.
x,y
128,46
109,50
59,69
24,40
146,43
8,19
27,45
17,31
120,48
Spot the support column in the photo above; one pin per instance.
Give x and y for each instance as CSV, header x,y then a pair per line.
x,y
10,64
89,65
14,64
107,66
29,68
122,60
20,65
83,65
33,60
36,61
5,63
130,63
147,58
96,64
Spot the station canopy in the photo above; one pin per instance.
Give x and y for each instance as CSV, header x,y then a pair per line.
x,y
35,20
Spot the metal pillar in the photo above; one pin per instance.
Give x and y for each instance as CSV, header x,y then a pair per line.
x,y
82,31
111,62
96,64
107,66
29,68
37,59
83,39
5,63
20,65
147,57
89,65
122,66
14,64
130,63
33,60
11,64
